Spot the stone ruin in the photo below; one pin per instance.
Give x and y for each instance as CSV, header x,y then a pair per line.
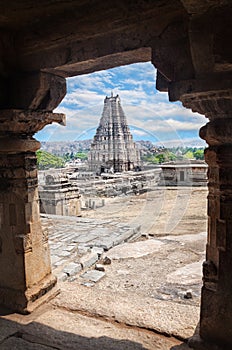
x,y
58,196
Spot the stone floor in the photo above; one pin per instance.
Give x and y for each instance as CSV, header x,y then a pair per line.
x,y
78,243
139,301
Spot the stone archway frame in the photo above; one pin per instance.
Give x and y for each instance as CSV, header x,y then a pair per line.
x,y
188,43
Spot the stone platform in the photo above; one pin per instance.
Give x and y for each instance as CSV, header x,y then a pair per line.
x,y
77,243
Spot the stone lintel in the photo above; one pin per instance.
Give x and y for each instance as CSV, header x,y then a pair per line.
x,y
18,121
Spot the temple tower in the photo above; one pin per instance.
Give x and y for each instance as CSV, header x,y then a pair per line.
x,y
113,148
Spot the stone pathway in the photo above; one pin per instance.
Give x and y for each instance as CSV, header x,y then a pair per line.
x,y
77,243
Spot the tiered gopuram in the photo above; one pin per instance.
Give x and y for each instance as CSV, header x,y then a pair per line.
x,y
113,148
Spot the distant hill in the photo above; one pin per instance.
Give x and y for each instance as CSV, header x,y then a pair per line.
x,y
62,147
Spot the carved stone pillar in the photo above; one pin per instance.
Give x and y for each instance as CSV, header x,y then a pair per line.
x,y
25,268
216,302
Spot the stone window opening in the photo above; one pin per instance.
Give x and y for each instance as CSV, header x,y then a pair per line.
x,y
153,201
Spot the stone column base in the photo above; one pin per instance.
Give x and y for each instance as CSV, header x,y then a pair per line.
x,y
26,302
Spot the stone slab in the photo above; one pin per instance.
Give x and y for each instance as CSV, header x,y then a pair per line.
x,y
102,242
188,274
135,250
72,269
93,275
54,258
98,250
88,259
165,317
71,331
62,253
187,238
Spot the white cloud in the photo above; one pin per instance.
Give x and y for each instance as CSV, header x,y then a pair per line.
x,y
145,108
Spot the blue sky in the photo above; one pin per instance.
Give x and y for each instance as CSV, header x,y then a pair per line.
x,y
149,113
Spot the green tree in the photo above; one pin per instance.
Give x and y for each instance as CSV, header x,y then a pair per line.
x,y
199,154
46,160
189,154
161,158
171,156
81,155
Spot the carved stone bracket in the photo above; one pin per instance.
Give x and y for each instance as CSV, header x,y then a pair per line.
x,y
209,96
16,121
35,91
217,132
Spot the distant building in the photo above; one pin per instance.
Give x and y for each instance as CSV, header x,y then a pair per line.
x,y
191,173
113,148
58,196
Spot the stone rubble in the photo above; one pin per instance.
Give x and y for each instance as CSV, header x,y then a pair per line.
x,y
99,267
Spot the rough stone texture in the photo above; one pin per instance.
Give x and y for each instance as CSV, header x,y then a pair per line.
x,y
189,274
8,329
191,173
117,184
89,259
15,343
113,149
162,316
62,329
25,273
72,269
216,271
59,196
134,250
93,275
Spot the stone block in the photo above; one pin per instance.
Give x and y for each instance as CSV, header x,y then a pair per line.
x,y
104,242
83,249
54,259
106,260
62,277
98,250
93,275
99,267
89,259
62,253
72,269
88,284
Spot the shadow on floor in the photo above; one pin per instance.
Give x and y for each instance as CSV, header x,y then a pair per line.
x,y
36,336
182,346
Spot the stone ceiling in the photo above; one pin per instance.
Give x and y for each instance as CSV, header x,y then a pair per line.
x,y
51,35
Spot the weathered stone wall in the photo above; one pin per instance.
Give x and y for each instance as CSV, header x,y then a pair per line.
x,y
58,196
180,174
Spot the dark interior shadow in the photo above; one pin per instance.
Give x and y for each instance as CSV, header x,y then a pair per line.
x,y
182,346
4,311
36,336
